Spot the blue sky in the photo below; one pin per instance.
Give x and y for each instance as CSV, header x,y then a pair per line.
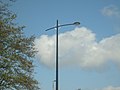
x,y
99,31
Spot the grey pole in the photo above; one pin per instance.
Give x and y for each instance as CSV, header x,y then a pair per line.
x,y
53,84
57,56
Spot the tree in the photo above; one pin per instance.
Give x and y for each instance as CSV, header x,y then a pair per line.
x,y
16,54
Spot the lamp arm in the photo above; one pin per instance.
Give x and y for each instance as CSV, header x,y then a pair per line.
x,y
59,26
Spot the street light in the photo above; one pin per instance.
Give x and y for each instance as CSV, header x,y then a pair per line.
x,y
56,27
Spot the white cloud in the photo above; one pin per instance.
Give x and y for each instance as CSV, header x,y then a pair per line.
x,y
79,48
110,88
111,10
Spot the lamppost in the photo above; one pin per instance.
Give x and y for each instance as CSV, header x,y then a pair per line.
x,y
57,26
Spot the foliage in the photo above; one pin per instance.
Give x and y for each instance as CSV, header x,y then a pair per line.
x,y
16,53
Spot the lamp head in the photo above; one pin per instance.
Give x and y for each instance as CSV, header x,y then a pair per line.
x,y
76,23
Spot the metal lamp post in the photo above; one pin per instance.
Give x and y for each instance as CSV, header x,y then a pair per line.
x,y
57,26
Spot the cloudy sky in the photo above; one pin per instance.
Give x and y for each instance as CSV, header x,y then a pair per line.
x,y
88,54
